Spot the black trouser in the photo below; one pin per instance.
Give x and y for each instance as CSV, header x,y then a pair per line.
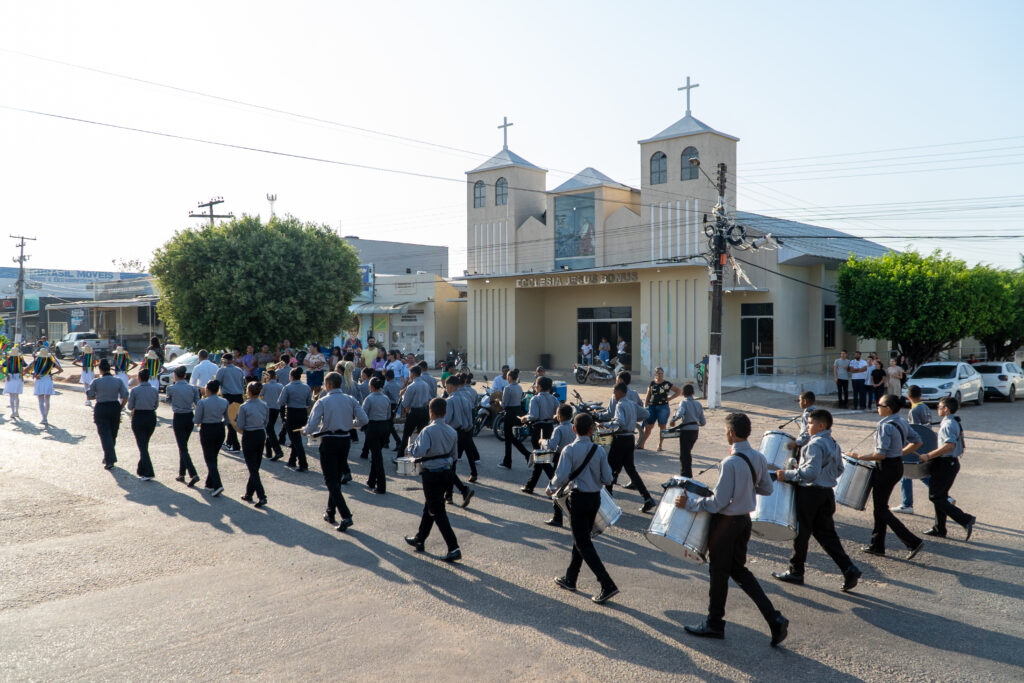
x,y
540,430
548,470
334,463
415,421
282,436
143,426
943,473
843,391
543,431
434,485
815,506
182,426
860,394
376,433
879,392
687,438
468,446
455,483
512,416
883,479
620,457
296,419
727,558
271,443
232,440
107,416
211,438
391,428
253,441
583,507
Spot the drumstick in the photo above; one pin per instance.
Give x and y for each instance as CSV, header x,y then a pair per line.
x,y
789,420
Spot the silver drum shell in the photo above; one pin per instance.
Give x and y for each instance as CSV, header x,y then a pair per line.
x,y
854,484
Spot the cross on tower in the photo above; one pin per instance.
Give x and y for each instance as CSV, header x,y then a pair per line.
x,y
504,126
688,88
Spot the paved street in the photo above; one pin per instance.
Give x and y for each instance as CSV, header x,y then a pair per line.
x,y
103,576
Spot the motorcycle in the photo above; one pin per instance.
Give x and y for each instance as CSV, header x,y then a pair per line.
x,y
521,431
598,371
487,411
581,406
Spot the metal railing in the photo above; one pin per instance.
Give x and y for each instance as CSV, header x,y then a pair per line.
x,y
757,366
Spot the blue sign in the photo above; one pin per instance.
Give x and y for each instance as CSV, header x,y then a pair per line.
x,y
366,272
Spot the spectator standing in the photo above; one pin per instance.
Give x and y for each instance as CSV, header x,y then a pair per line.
x,y
841,374
858,377
877,382
659,392
369,353
894,378
263,359
314,362
249,365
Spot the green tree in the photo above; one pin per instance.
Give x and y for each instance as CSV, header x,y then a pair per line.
x,y
923,304
1005,333
243,282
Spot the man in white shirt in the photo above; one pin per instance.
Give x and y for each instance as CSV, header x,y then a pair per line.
x,y
587,351
841,374
204,370
858,375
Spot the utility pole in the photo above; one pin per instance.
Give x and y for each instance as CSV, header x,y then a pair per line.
x,y
20,260
271,198
719,254
209,205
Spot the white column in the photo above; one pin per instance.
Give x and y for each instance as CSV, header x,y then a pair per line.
x,y
661,230
679,230
686,221
652,232
696,225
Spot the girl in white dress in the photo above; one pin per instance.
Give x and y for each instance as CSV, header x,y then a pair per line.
x,y
44,367
14,368
87,361
123,364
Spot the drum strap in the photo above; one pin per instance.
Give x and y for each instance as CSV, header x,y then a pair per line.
x,y
576,472
753,475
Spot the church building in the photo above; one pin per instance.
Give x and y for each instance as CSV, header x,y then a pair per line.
x,y
596,259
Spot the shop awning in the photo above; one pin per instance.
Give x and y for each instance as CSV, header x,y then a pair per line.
x,y
108,303
384,309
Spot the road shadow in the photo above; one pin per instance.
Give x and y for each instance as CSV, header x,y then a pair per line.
x,y
51,433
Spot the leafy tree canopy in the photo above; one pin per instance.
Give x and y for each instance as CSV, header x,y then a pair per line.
x,y
243,282
1006,333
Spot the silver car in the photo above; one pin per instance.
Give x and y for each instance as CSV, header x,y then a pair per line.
x,y
1002,380
948,378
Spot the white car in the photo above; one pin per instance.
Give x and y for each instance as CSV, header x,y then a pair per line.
x,y
949,378
1002,380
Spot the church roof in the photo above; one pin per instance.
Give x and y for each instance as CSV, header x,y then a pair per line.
x,y
800,240
587,178
686,126
504,159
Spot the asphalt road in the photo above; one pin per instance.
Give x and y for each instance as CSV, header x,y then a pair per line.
x,y
103,576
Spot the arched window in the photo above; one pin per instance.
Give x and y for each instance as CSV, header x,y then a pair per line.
x,y
501,192
659,168
689,171
479,194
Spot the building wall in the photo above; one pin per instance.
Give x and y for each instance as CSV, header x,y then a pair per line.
x,y
672,329
492,230
395,257
491,323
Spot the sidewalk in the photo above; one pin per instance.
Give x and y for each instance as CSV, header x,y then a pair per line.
x,y
821,385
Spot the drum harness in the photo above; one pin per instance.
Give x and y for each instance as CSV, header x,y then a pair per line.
x,y
564,488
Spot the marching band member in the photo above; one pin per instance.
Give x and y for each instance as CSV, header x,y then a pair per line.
x,y
377,407
466,443
821,463
806,403
44,368
211,416
741,475
945,465
512,404
560,438
296,399
110,395
893,439
459,416
436,449
123,364
14,383
541,420
232,387
428,378
920,415
251,421
86,361
415,401
583,469
620,456
183,397
691,412
393,390
334,417
143,400
270,393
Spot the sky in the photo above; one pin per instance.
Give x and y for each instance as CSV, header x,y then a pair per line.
x,y
900,121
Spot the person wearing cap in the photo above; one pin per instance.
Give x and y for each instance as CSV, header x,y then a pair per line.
x,y
142,402
122,364
110,395
86,361
44,368
14,370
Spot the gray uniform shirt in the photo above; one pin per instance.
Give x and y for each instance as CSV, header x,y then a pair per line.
x,y
805,430
561,437
377,407
596,474
512,396
417,395
211,410
459,415
296,394
362,390
624,417
950,431
184,396
431,384
921,415
393,390
821,462
271,393
143,397
691,414
543,406
106,388
437,438
232,379
735,493
892,436
253,415
472,397
336,412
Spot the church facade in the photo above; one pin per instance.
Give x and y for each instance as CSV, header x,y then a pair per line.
x,y
594,258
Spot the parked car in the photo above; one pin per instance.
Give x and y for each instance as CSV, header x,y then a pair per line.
x,y
959,380
1002,380
71,344
189,360
172,351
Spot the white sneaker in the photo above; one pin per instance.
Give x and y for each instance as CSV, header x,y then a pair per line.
x,y
952,500
141,478
218,491
904,509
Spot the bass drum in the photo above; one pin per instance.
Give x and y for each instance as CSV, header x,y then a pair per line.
x,y
679,532
607,515
774,517
854,483
775,448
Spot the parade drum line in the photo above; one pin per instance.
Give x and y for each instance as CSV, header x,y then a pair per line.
x,y
774,517
542,457
603,438
607,515
407,466
774,447
913,468
854,484
679,532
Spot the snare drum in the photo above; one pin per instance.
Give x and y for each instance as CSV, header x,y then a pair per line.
x,y
775,448
774,517
854,484
407,466
603,437
542,457
679,532
913,468
607,515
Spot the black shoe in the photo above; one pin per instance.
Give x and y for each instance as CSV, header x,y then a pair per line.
x,y
472,479
380,491
789,577
970,528
605,595
780,629
277,457
872,551
453,555
247,499
648,505
344,480
329,518
108,467
915,550
631,486
850,578
554,522
564,584
702,630
935,532
415,543
181,479
527,489
344,524
504,466
193,481
306,469
466,497
448,499
268,456
260,503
